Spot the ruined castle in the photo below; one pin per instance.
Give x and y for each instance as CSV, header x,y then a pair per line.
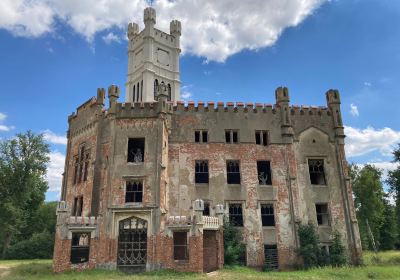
x,y
148,182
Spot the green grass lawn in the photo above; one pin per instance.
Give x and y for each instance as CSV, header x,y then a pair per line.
x,y
385,265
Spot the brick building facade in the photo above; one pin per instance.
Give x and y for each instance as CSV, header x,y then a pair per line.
x,y
148,182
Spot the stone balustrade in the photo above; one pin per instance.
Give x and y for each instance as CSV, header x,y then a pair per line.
x,y
211,223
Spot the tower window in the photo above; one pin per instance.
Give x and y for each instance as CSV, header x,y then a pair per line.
x,y
322,214
231,136
201,136
261,137
134,192
137,92
141,91
317,174
267,215
201,172
169,92
136,150
77,206
134,93
82,161
155,89
233,172
264,173
206,211
181,251
236,214
80,246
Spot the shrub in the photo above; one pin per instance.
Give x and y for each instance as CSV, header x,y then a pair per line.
x,y
309,246
337,253
39,246
234,249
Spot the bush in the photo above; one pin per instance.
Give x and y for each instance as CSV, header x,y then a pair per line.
x,y
39,246
337,253
234,249
309,246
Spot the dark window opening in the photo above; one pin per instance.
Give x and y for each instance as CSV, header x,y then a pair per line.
x,y
136,150
85,174
317,174
233,172
76,171
155,89
267,215
201,172
141,91
181,245
264,173
205,136
236,214
169,92
197,136
271,256
228,136
134,93
201,136
231,136
258,138
261,137
206,211
235,137
77,207
134,192
322,214
80,247
81,169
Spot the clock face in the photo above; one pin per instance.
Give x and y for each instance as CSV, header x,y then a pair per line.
x,y
163,57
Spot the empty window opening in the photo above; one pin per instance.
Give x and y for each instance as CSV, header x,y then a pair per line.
x,y
317,174
137,92
181,252
141,91
206,211
201,172
201,136
233,172
231,136
80,247
77,207
264,173
136,150
271,256
155,89
134,191
261,137
82,161
267,215
322,214
169,92
134,93
236,214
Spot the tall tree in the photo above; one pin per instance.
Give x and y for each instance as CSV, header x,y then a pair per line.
x,y
369,201
394,183
388,231
23,161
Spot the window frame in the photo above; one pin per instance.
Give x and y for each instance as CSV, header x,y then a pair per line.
x,y
130,159
185,246
264,137
201,133
269,180
323,214
232,220
311,174
134,193
229,179
198,174
264,205
78,249
232,134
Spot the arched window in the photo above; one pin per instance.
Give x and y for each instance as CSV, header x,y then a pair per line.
x,y
137,92
141,91
155,88
134,94
169,92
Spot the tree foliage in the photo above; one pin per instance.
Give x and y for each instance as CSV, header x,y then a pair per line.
x,y
394,182
23,162
234,249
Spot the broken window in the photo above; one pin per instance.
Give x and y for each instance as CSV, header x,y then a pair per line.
x,y
264,173
271,256
267,215
201,136
136,150
201,172
233,172
85,174
231,136
181,252
82,161
80,247
236,214
206,211
77,207
261,137
316,168
322,214
134,191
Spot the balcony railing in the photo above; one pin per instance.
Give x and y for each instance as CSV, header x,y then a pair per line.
x,y
210,223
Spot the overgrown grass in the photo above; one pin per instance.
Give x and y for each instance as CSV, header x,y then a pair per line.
x,y
385,265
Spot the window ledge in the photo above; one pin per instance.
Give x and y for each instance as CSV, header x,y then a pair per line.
x,y
319,186
135,163
201,185
265,186
268,227
234,185
324,226
134,204
181,261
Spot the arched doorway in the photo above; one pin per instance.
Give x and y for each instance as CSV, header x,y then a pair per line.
x,y
132,245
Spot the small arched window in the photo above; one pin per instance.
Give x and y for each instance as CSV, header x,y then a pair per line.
x,y
138,92
141,91
155,88
134,93
169,92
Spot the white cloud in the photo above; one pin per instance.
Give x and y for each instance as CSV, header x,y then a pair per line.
x,y
55,169
2,116
4,127
367,84
363,141
354,110
53,138
111,37
385,166
211,29
186,95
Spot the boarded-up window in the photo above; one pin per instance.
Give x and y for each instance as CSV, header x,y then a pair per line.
x,y
134,191
264,173
317,174
136,150
80,247
201,172
233,172
236,214
181,245
322,214
267,215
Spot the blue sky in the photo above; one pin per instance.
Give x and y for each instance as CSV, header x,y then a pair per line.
x,y
51,61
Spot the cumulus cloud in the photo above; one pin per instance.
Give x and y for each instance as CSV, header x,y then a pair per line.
x,y
4,127
211,29
385,166
55,169
354,110
363,141
111,37
53,138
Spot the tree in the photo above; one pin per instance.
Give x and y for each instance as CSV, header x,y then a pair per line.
x,y
309,248
234,249
337,252
394,183
368,201
388,232
23,161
